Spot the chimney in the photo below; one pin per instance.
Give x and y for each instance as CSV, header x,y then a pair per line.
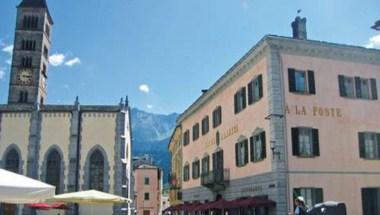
x,y
299,28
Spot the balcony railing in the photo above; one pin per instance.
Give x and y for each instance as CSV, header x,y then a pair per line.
x,y
216,179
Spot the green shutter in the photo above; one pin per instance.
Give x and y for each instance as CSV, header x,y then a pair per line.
x,y
244,97
342,90
251,148
311,81
373,88
237,154
245,151
292,81
361,145
315,139
260,80
295,144
318,195
263,145
236,98
358,87
250,92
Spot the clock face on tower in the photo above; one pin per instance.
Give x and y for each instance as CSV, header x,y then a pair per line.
x,y
25,76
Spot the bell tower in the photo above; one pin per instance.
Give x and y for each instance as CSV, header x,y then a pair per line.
x,y
29,70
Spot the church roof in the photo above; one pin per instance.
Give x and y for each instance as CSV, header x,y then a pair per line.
x,y
36,4
33,3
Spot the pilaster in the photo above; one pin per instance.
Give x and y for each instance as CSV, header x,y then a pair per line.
x,y
277,134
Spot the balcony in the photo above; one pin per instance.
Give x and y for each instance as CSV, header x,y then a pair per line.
x,y
216,180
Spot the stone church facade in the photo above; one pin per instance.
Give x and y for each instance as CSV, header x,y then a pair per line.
x,y
73,147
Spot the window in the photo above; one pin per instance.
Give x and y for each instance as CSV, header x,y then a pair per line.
x,y
195,169
46,52
26,62
255,89
47,30
96,171
29,45
146,212
195,131
301,81
258,147
217,117
23,97
44,70
371,200
186,138
205,165
240,100
312,196
12,161
305,142
30,22
146,196
53,170
186,172
205,125
369,145
357,87
241,153
146,181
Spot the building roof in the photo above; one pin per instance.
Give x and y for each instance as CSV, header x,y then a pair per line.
x,y
33,3
36,4
290,45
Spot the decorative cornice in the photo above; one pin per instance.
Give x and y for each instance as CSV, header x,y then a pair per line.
x,y
255,54
285,45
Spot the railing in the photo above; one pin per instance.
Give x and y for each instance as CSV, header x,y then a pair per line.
x,y
216,177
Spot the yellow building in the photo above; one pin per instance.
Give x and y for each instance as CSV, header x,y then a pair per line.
x,y
73,147
175,148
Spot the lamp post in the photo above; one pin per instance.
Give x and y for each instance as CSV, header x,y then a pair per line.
x,y
376,26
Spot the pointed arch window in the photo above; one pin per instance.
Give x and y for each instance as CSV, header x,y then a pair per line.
x,y
97,171
12,161
53,169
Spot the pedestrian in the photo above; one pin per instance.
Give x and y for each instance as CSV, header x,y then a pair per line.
x,y
300,206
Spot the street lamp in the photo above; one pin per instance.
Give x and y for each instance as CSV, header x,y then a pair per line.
x,y
376,26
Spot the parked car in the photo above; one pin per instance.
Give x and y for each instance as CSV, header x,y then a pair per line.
x,y
328,208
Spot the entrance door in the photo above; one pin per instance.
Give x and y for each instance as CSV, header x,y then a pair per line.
x,y
146,212
218,166
9,209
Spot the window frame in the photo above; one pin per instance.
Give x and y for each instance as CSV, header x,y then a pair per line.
x,y
146,180
195,131
254,140
312,195
196,169
309,82
146,196
241,153
217,117
186,137
186,172
205,125
240,100
364,145
314,142
358,87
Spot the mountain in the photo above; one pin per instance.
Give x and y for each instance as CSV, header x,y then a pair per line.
x,y
151,135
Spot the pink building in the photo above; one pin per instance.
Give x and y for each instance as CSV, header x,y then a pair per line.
x,y
292,117
148,189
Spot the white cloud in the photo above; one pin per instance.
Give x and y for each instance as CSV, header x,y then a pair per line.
x,y
72,62
8,49
149,106
144,88
374,42
2,73
66,86
9,61
56,59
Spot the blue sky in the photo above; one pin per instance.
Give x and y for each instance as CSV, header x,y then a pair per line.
x,y
161,53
